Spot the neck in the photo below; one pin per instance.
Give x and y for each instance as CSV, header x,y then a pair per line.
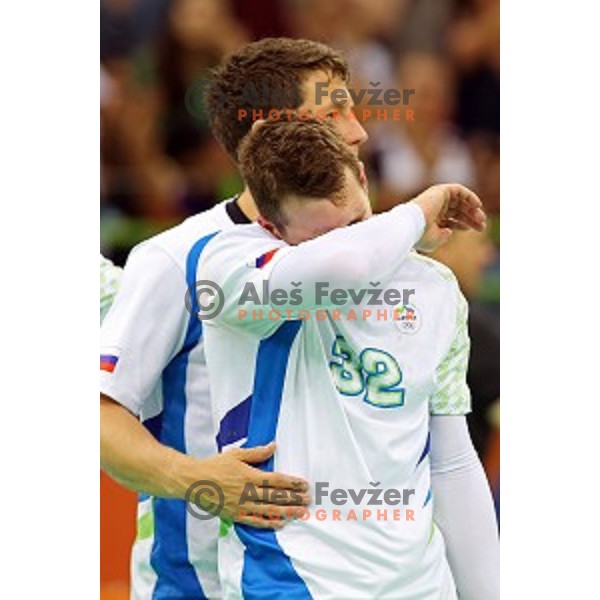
x,y
247,206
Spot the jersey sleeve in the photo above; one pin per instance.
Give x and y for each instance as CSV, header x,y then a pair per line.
x,y
110,276
452,395
350,257
237,265
346,258
144,329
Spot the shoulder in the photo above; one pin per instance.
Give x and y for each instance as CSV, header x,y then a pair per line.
x,y
245,243
438,288
171,248
433,270
432,277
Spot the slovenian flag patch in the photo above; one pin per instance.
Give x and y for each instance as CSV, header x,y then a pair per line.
x,y
108,362
265,258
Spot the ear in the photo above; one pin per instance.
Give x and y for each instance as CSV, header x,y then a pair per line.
x,y
258,123
270,227
363,177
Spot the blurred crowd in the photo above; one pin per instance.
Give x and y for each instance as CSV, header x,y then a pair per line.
x,y
159,162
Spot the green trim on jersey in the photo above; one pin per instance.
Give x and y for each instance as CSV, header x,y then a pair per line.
x,y
452,396
110,276
145,526
225,526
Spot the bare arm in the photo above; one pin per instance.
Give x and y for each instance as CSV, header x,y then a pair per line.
x,y
130,454
133,457
128,451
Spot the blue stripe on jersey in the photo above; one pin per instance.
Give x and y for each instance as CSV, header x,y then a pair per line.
x,y
154,426
176,578
428,498
426,449
268,573
269,377
234,425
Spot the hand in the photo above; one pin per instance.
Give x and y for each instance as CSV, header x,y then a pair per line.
x,y
231,471
448,207
145,465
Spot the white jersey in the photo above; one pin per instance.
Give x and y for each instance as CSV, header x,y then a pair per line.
x,y
152,362
346,399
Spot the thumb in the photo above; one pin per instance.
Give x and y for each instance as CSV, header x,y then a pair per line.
x,y
255,455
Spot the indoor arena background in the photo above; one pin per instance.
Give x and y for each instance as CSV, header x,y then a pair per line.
x,y
160,164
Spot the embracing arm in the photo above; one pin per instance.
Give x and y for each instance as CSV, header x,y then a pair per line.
x,y
464,510
140,334
351,257
133,457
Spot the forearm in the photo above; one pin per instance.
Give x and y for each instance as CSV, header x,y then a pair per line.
x,y
349,257
464,510
130,455
133,457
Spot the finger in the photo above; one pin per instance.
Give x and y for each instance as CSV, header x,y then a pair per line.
x,y
464,218
254,455
478,223
454,225
462,194
462,208
473,213
475,219
464,213
463,225
284,497
271,511
281,482
261,522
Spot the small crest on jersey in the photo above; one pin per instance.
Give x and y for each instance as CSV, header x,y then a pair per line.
x,y
108,362
407,318
265,259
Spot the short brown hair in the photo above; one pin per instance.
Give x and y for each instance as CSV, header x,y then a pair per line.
x,y
305,158
263,76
